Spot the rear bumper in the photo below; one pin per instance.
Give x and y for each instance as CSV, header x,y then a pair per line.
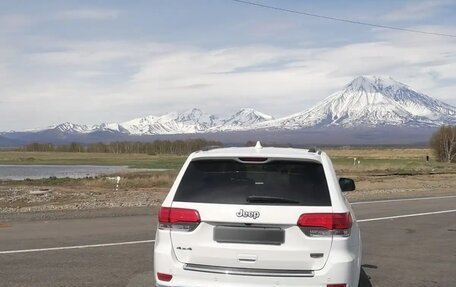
x,y
248,271
345,269
343,266
342,272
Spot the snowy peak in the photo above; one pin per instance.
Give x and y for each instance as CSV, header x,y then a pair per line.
x,y
415,103
192,115
246,117
197,117
372,84
191,121
372,101
68,127
251,114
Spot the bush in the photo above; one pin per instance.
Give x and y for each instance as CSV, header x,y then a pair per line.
x,y
443,142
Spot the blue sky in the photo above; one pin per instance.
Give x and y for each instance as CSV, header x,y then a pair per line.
x,y
104,61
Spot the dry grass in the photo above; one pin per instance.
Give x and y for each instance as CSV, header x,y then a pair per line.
x,y
75,158
373,162
381,153
382,173
128,181
387,161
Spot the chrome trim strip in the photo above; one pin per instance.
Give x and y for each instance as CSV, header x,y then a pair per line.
x,y
248,271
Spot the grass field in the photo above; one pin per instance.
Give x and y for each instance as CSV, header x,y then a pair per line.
x,y
381,173
402,160
369,162
74,158
388,161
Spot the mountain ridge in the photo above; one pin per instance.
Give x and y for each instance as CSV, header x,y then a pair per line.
x,y
367,101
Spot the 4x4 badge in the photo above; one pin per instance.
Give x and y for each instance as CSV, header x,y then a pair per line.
x,y
245,213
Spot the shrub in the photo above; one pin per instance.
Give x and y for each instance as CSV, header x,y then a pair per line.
x,y
443,142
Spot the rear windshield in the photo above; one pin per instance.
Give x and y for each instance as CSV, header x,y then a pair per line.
x,y
274,182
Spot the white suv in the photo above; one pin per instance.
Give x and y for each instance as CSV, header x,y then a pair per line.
x,y
257,216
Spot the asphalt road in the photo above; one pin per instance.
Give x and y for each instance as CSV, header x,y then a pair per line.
x,y
419,250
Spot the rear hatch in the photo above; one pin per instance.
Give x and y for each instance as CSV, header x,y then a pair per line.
x,y
246,213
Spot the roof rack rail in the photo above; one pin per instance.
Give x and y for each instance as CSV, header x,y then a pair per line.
x,y
211,147
314,150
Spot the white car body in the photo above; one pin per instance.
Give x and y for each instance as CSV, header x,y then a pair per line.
x,y
280,244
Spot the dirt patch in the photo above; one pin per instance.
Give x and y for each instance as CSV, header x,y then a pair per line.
x,y
399,186
18,199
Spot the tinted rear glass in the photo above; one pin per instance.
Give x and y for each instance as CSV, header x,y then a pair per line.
x,y
232,182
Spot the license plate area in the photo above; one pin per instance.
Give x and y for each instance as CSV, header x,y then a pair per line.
x,y
249,235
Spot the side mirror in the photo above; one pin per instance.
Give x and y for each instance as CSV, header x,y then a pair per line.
x,y
347,184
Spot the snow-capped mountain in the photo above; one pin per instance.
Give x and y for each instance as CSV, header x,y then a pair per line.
x,y
370,101
192,121
188,122
367,101
72,128
244,119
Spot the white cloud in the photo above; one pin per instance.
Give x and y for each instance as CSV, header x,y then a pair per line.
x,y
92,53
12,21
92,82
88,14
83,55
417,10
292,79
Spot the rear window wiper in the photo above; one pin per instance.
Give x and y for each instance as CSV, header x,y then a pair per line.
x,y
269,199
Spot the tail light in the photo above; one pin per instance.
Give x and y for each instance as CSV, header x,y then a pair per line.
x,y
164,277
178,219
336,285
326,224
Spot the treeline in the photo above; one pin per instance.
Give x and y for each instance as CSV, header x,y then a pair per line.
x,y
178,147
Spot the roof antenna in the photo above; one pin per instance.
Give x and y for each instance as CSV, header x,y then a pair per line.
x,y
258,145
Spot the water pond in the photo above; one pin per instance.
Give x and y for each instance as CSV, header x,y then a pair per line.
x,y
21,172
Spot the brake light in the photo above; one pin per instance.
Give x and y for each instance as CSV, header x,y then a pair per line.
x,y
164,277
178,219
253,159
326,224
336,285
